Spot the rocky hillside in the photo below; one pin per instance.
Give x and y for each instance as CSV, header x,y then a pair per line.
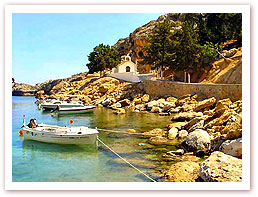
x,y
227,70
22,89
134,43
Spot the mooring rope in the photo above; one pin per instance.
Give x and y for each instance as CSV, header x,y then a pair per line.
x,y
125,160
113,131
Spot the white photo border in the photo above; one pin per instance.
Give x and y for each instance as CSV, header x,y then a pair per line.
x,y
244,9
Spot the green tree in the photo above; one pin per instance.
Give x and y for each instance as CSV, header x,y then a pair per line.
x,y
208,53
188,47
193,49
102,57
159,50
193,40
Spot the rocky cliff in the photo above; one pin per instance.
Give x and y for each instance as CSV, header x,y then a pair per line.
x,y
134,43
227,70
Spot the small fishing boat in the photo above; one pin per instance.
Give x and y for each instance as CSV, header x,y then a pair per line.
x,y
58,134
74,110
54,104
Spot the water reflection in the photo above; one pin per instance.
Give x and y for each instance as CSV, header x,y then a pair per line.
x,y
35,148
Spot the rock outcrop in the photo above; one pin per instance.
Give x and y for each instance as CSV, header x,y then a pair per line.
x,y
232,147
227,70
198,140
186,171
135,42
220,167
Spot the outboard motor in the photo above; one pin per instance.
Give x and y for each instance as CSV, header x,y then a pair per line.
x,y
33,123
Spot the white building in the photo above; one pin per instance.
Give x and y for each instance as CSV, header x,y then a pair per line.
x,y
126,65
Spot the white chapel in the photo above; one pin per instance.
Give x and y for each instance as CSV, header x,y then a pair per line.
x,y
125,66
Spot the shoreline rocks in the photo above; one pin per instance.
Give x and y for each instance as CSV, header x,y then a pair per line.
x,y
186,171
201,127
220,167
232,147
198,140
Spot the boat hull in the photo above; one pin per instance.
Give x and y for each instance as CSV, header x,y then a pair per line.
x,y
54,106
59,139
83,110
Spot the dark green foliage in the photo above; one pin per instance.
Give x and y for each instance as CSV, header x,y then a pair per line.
x,y
187,50
195,43
103,57
222,27
161,39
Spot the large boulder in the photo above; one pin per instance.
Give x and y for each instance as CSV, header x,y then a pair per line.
x,y
186,116
221,106
108,101
198,140
145,98
172,133
171,99
186,171
232,147
220,120
155,109
186,99
152,104
116,105
178,125
140,107
167,105
137,100
192,122
125,102
233,129
182,134
204,104
158,140
154,132
220,167
106,87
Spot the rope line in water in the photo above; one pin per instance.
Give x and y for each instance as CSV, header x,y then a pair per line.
x,y
121,132
126,160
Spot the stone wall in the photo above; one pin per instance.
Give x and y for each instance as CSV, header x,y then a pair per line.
x,y
177,89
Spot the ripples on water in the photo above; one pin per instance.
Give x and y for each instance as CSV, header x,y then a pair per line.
x,y
42,162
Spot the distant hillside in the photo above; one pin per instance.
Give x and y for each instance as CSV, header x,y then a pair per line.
x,y
22,89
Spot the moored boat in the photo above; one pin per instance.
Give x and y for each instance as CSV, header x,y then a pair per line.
x,y
58,134
55,104
74,110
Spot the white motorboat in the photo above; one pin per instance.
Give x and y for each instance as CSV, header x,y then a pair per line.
x,y
74,110
58,134
54,104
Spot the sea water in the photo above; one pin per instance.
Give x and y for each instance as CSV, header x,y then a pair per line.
x,y
44,162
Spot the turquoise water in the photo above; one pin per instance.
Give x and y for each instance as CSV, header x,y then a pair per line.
x,y
42,162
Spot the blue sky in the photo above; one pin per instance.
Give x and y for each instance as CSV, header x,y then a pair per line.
x,y
51,46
